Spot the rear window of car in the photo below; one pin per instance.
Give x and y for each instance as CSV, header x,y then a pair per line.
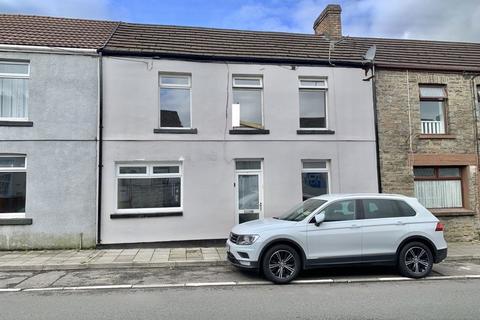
x,y
386,208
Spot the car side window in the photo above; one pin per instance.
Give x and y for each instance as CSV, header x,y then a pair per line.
x,y
340,211
386,208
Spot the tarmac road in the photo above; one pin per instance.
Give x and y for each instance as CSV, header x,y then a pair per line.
x,y
444,299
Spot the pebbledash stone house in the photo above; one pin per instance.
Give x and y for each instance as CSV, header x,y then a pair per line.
x,y
49,76
177,133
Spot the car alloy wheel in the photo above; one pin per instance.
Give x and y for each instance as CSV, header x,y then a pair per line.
x,y
415,260
281,264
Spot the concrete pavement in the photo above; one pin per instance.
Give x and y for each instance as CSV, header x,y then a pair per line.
x,y
110,258
150,258
128,278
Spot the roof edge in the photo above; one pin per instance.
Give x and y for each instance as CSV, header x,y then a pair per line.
x,y
214,58
413,66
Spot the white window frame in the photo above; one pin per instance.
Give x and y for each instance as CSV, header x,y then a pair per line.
x,y
424,125
174,86
16,76
314,88
255,87
317,170
148,175
235,85
14,215
302,78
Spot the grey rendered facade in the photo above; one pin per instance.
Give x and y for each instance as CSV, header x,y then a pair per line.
x,y
207,158
60,148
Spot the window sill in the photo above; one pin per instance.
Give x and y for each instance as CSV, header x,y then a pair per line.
x,y
176,131
12,123
249,131
15,221
454,212
437,136
310,131
145,215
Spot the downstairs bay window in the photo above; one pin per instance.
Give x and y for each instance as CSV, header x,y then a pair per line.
x,y
439,187
149,188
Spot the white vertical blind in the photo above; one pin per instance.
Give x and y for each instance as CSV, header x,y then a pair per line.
x,y
13,98
439,193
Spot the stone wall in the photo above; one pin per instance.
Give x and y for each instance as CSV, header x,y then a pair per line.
x,y
402,145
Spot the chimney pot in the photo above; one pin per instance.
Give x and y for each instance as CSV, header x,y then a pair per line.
x,y
329,22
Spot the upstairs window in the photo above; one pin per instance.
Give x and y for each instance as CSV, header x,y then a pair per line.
x,y
13,185
439,187
248,93
432,109
313,103
175,101
13,90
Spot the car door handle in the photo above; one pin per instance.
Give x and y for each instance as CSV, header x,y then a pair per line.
x,y
355,226
400,223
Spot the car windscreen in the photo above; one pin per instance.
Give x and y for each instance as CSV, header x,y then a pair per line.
x,y
302,210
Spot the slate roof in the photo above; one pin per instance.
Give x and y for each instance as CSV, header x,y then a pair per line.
x,y
54,32
120,38
207,43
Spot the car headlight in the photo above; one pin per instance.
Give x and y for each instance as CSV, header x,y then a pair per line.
x,y
247,239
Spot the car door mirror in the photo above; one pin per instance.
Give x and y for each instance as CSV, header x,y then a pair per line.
x,y
319,218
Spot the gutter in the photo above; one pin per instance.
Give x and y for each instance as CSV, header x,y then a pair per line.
x,y
42,49
426,67
223,59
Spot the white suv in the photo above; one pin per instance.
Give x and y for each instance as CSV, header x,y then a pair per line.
x,y
338,230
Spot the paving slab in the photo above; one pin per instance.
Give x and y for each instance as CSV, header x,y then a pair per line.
x,y
154,257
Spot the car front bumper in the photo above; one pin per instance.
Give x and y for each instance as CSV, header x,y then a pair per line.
x,y
245,257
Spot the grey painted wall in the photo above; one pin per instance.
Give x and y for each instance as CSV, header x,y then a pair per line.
x,y
132,112
61,152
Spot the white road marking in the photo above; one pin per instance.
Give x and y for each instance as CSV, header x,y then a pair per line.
x,y
237,283
10,290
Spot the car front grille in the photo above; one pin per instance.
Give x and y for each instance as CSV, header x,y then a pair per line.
x,y
233,237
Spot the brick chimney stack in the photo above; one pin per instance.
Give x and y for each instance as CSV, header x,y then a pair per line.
x,y
329,22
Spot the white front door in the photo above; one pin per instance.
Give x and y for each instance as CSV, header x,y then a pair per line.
x,y
249,190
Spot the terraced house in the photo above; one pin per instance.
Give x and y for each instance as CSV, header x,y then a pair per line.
x,y
206,128
427,95
49,71
146,133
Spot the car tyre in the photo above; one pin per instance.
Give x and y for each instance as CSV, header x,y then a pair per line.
x,y
281,264
415,260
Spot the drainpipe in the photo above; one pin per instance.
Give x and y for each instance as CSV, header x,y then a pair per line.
x,y
375,119
100,148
